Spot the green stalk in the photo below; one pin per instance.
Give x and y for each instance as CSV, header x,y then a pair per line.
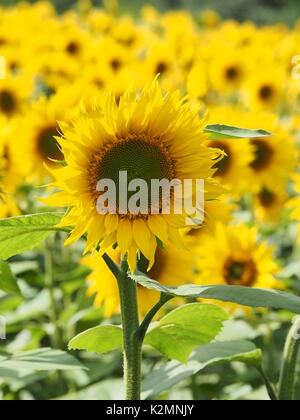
x,y
148,318
132,346
289,362
133,333
56,338
130,323
269,386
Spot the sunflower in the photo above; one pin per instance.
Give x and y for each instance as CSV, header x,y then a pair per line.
x,y
59,71
269,203
73,41
15,59
126,32
233,256
39,129
10,170
113,55
161,59
100,21
265,89
233,170
270,159
14,91
172,267
227,70
274,160
152,137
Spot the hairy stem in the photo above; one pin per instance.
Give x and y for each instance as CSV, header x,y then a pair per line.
x,y
130,324
289,362
164,298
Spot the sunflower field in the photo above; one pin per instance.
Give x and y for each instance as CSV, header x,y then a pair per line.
x,y
134,297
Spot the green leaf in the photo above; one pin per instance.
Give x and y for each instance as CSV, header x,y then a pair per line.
x,y
170,374
225,131
44,359
32,309
8,282
99,339
178,333
107,390
247,296
22,233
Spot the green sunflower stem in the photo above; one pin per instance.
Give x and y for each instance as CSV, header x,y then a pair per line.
x,y
269,386
130,324
164,298
132,345
133,333
289,363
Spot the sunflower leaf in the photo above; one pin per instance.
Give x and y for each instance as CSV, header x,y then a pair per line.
x,y
99,339
242,295
172,373
23,233
220,131
178,333
45,359
8,282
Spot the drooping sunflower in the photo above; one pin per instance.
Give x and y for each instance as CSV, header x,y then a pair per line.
x,y
234,256
151,137
172,267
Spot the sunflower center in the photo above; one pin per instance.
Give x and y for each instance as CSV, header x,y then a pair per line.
x,y
241,273
73,48
266,92
7,102
141,159
161,68
115,64
99,82
232,73
263,154
266,197
222,165
48,146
